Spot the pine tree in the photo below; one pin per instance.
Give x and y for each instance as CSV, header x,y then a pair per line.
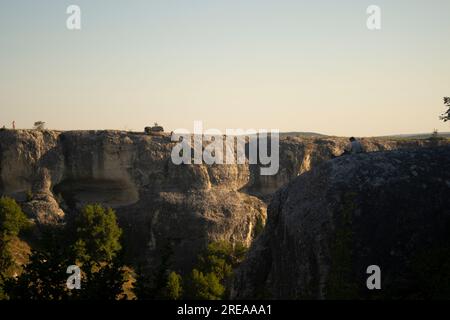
x,y
97,234
173,289
205,286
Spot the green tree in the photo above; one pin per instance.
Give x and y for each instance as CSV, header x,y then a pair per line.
x,y
214,272
221,258
97,234
96,252
96,248
446,115
205,287
174,288
12,218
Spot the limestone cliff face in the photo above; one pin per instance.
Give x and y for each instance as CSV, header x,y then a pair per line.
x,y
32,161
158,203
327,226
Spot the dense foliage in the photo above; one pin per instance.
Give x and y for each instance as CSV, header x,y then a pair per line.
x,y
95,248
91,241
12,222
12,218
209,280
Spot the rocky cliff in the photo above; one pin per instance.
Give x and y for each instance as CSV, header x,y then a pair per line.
x,y
158,203
390,209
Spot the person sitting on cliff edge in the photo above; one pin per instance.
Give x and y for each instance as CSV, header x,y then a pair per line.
x,y
353,147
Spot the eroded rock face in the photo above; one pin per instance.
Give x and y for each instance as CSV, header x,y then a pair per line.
x,y
158,203
186,222
390,209
23,153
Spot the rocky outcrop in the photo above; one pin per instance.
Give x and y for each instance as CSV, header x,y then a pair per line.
x,y
389,209
159,204
300,154
31,162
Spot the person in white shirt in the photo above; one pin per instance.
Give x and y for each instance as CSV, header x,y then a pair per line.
x,y
353,147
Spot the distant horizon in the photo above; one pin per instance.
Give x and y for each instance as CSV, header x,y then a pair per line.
x,y
281,132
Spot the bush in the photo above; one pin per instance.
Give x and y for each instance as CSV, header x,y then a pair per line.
x,y
12,218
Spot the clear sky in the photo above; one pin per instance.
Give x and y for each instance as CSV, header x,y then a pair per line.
x,y
292,65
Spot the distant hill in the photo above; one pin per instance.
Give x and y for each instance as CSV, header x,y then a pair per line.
x,y
395,136
302,134
417,135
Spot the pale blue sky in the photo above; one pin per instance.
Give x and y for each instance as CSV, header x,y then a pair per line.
x,y
291,65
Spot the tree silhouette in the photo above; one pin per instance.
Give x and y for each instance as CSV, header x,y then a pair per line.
x,y
446,115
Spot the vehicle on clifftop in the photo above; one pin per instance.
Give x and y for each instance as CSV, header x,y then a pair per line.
x,y
156,130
